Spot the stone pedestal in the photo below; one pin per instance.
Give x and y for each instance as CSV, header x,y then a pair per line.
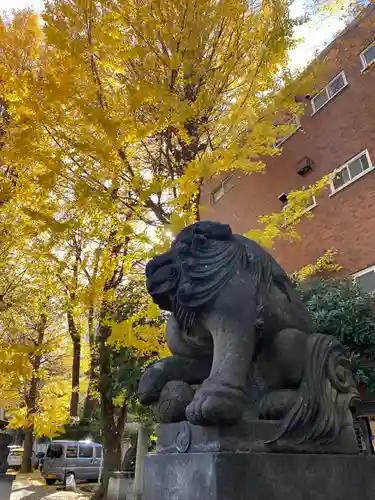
x,y
236,463
268,476
6,481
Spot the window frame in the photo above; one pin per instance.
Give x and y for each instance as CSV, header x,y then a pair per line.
x,y
365,64
325,89
72,446
335,190
307,209
363,272
51,450
298,124
82,446
221,185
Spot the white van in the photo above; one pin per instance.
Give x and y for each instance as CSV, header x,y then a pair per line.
x,y
80,459
15,457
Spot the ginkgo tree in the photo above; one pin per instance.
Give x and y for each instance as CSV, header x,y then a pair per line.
x,y
154,96
34,352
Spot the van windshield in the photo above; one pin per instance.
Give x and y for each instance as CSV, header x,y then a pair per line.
x,y
54,451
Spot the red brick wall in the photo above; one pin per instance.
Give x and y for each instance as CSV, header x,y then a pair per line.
x,y
342,128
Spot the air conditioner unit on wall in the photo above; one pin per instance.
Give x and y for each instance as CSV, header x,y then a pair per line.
x,y
305,165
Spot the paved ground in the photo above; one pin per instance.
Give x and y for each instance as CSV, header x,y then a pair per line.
x,y
32,487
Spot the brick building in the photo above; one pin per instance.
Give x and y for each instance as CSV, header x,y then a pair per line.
x,y
337,131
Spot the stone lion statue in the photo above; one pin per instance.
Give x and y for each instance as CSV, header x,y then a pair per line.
x,y
232,307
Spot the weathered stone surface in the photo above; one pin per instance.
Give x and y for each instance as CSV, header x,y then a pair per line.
x,y
120,486
248,436
234,309
174,398
269,476
254,403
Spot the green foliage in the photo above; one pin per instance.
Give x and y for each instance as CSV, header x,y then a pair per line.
x,y
340,308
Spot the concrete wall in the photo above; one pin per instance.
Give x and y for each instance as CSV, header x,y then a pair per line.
x,y
338,131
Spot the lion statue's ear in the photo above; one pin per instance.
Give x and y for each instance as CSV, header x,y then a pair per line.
x,y
208,229
213,230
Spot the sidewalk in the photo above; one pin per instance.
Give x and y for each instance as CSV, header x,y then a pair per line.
x,y
33,487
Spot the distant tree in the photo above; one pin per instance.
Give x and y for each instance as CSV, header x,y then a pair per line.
x,y
339,307
34,362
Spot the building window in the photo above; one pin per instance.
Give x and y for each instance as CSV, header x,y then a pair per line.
x,y
309,206
294,120
354,169
368,56
366,279
225,185
329,92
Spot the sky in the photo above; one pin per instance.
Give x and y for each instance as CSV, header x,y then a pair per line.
x,y
316,34
8,5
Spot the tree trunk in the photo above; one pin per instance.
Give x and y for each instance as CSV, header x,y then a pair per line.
x,y
76,339
72,328
111,433
111,445
32,396
90,401
74,401
29,432
27,450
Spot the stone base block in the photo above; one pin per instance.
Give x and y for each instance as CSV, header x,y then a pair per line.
x,y
120,486
268,476
6,481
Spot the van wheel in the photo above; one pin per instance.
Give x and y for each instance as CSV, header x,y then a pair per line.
x,y
50,481
70,481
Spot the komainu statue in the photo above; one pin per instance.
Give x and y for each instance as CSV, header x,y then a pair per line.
x,y
232,307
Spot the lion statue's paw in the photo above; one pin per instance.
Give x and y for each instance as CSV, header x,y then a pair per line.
x,y
215,404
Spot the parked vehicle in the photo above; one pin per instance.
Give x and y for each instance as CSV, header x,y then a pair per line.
x,y
15,457
64,459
